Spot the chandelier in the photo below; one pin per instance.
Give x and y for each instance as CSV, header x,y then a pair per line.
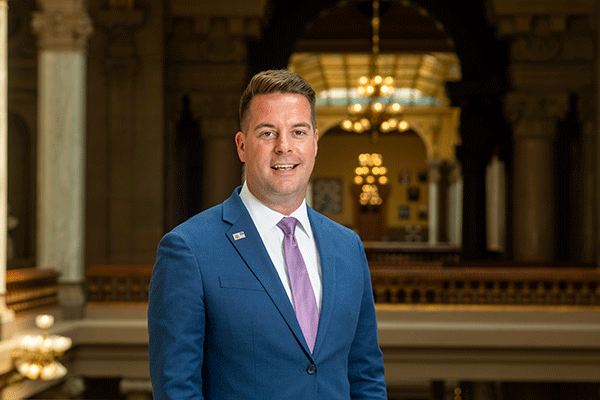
x,y
370,176
380,114
36,355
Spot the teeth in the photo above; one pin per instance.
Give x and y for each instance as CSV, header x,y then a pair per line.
x,y
289,166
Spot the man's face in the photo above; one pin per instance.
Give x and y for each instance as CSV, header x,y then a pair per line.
x,y
279,148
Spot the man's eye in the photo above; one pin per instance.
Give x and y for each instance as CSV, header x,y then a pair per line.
x,y
299,133
268,134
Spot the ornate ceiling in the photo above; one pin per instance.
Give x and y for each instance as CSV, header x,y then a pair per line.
x,y
334,76
335,51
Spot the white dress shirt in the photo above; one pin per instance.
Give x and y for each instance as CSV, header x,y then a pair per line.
x,y
266,221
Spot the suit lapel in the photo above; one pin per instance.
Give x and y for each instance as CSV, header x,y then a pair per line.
x,y
244,236
328,274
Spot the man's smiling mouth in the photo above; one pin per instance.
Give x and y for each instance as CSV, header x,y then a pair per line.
x,y
284,167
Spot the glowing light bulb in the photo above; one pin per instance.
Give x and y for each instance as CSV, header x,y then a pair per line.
x,y
357,108
378,79
358,180
383,180
33,371
363,80
347,124
44,321
377,106
403,125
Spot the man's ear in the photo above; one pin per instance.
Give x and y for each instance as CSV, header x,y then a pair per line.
x,y
240,144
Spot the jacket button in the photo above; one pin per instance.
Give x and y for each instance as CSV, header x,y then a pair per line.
x,y
311,369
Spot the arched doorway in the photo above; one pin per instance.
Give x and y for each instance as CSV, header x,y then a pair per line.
x,y
483,79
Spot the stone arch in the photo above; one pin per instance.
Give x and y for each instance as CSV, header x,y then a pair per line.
x,y
484,80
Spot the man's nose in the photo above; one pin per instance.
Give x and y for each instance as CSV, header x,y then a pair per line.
x,y
283,144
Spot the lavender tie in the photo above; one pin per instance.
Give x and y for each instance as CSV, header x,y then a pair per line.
x,y
303,295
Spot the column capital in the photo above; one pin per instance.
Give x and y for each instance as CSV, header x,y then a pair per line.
x,y
120,26
534,114
455,172
434,165
62,25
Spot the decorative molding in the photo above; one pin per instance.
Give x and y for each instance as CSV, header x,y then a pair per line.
x,y
225,36
535,115
549,37
186,8
62,29
120,26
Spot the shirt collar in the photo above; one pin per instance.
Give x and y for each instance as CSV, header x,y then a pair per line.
x,y
265,218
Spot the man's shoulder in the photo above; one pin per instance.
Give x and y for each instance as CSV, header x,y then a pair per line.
x,y
321,221
212,219
202,223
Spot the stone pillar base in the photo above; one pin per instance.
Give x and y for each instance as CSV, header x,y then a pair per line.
x,y
136,389
7,320
71,299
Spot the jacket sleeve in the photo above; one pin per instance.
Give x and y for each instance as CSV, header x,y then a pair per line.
x,y
176,322
365,361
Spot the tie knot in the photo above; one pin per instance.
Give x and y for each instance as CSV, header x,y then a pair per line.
x,y
288,225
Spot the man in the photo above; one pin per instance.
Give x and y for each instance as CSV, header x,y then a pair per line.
x,y
261,297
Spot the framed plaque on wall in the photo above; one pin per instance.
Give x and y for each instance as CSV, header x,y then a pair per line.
x,y
327,195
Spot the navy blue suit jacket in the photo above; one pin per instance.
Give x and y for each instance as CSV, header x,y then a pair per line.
x,y
221,325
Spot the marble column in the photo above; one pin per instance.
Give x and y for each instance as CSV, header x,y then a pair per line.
x,y
6,316
222,167
63,28
435,176
496,205
455,205
121,65
534,193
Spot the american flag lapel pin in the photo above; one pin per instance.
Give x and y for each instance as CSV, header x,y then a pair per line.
x,y
239,235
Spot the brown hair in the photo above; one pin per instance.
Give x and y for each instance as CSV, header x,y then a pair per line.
x,y
277,81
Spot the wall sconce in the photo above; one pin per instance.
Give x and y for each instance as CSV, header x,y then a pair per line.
x,y
35,356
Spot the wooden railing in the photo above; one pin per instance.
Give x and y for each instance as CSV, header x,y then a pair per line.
x,y
31,288
396,253
420,283
118,283
487,286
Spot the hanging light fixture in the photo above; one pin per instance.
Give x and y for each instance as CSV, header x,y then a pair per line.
x,y
380,114
370,176
36,354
